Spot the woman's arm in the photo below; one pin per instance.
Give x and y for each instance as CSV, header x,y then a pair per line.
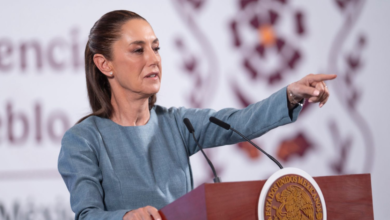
x,y
78,165
253,121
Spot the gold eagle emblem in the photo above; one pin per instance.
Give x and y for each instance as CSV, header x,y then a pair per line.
x,y
295,204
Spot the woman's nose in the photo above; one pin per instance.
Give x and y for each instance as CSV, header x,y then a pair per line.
x,y
153,57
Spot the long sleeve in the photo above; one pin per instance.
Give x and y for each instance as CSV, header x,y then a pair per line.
x,y
79,167
253,121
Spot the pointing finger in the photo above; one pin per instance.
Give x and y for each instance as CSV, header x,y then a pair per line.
x,y
321,77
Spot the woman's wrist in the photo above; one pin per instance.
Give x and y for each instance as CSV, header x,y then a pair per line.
x,y
292,99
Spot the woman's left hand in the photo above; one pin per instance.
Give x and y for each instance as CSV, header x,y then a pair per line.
x,y
311,87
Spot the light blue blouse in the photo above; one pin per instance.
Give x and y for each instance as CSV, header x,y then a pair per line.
x,y
110,169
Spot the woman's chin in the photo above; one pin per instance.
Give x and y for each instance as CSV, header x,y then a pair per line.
x,y
152,91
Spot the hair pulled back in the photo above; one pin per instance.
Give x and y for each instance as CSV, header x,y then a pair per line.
x,y
101,38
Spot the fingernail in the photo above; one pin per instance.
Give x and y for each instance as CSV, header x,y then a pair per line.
x,y
321,105
316,92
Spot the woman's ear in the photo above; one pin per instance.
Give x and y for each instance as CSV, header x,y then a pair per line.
x,y
103,64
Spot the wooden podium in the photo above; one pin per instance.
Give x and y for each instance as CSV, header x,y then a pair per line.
x,y
347,197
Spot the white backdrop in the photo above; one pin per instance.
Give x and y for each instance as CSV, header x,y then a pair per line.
x,y
215,54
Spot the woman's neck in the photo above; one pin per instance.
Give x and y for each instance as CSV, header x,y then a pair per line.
x,y
130,111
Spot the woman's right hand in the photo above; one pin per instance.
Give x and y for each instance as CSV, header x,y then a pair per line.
x,y
143,213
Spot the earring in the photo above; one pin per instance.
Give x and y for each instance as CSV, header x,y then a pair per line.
x,y
110,73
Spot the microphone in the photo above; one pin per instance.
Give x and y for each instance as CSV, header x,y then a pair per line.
x,y
228,127
192,131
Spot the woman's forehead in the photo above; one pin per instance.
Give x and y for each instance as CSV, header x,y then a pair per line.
x,y
137,30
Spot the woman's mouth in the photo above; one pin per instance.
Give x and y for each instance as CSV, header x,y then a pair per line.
x,y
151,76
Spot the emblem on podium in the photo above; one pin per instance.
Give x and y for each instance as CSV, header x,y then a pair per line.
x,y
291,194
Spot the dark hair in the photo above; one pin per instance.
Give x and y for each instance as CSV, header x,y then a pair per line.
x,y
101,38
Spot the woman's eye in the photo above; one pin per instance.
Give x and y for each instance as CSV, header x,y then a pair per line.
x,y
139,50
156,49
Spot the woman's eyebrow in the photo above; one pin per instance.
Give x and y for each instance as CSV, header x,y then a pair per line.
x,y
137,42
143,42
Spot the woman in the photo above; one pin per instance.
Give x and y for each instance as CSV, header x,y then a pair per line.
x,y
130,157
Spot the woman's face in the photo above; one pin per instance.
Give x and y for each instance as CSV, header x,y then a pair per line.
x,y
136,62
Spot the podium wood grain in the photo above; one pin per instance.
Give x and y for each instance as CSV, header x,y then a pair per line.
x,y
347,197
